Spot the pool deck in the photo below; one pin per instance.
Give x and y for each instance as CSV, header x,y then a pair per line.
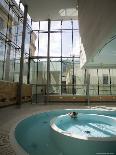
x,y
9,116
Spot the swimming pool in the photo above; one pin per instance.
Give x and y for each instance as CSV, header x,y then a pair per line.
x,y
86,126
95,133
35,136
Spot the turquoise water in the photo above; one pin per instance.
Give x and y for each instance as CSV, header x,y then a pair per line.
x,y
84,127
34,133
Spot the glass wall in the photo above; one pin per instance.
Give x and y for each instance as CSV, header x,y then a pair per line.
x,y
64,72
61,62
67,78
11,26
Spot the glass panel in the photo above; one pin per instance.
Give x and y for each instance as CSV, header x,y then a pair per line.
x,y
105,79
17,66
54,89
76,43
13,27
33,71
38,71
7,62
55,44
75,24
42,71
55,75
67,72
17,70
113,81
103,89
27,41
80,77
67,50
19,33
43,44
44,25
36,42
93,88
67,25
55,25
25,71
4,18
3,25
35,25
12,58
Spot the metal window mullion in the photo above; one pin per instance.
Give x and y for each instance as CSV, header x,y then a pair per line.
x,y
22,56
14,65
38,37
61,57
28,74
37,75
87,87
73,59
73,78
6,41
72,35
85,80
36,92
48,60
4,62
98,81
110,82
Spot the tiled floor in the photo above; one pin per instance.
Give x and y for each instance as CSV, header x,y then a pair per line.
x,y
10,115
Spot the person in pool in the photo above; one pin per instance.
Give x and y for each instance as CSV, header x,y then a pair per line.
x,y
73,114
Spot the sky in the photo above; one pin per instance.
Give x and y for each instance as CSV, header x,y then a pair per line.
x,y
55,39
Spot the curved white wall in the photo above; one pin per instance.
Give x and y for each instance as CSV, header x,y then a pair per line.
x,y
97,24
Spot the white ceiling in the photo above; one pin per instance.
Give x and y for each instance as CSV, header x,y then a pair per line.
x,y
105,58
97,25
51,9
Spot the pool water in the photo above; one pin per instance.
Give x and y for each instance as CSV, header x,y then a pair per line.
x,y
34,134
87,128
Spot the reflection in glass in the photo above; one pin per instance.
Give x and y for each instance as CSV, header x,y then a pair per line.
x,y
55,76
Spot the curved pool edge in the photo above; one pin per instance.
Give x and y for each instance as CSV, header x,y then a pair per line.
x,y
72,135
14,143
73,144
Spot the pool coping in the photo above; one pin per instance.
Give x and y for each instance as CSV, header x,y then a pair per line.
x,y
72,135
14,143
